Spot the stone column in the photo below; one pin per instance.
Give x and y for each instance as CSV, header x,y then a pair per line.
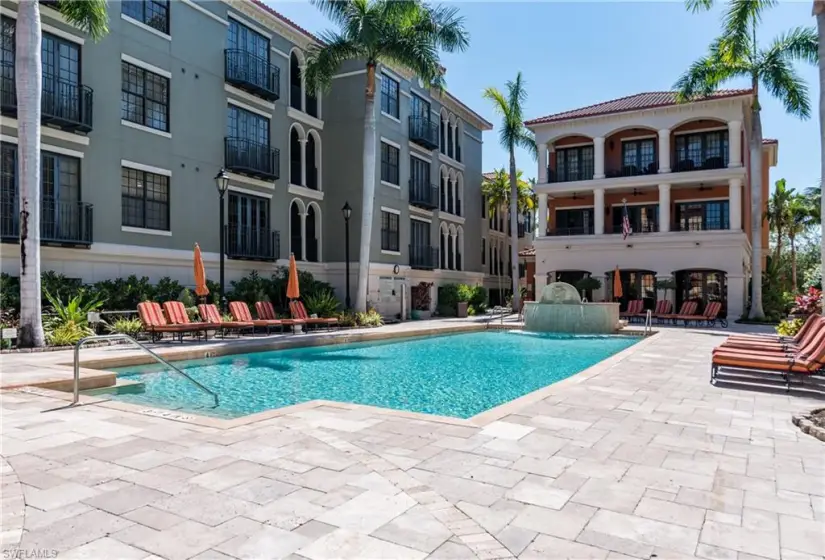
x,y
664,208
303,142
664,150
598,211
598,157
542,225
735,204
735,144
542,150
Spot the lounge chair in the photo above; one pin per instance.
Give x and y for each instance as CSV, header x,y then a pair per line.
x,y
299,312
176,312
265,310
240,312
210,314
688,309
709,317
634,309
663,307
814,330
151,316
763,338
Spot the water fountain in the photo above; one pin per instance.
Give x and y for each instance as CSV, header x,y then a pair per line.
x,y
560,309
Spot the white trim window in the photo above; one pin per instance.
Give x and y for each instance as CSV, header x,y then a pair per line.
x,y
154,13
144,199
144,97
390,231
389,97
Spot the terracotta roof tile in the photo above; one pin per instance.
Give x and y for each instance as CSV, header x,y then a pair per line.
x,y
635,102
286,20
769,141
531,252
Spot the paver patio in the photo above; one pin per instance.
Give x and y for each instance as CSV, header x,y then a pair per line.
x,y
646,458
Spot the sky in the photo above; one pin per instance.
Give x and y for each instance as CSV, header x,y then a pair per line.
x,y
574,54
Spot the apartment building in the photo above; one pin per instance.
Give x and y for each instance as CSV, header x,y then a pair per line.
x,y
137,126
680,171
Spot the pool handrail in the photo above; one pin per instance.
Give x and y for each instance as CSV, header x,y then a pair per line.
x,y
81,342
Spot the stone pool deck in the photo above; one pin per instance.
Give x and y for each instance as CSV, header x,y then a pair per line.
x,y
643,458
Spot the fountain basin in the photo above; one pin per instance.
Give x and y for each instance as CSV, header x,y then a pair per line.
x,y
576,318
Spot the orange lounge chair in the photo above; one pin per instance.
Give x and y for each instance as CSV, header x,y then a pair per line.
x,y
298,311
807,344
210,314
709,317
240,313
176,312
774,338
688,308
265,310
663,307
634,309
151,316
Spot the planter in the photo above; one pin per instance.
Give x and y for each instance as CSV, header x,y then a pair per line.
x,y
415,314
461,309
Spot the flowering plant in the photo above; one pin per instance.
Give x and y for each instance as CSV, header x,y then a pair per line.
x,y
809,303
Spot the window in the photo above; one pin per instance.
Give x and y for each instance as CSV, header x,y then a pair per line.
x,y
144,97
389,231
706,150
419,108
248,126
643,218
242,38
574,222
389,164
483,251
420,174
154,13
389,96
698,216
639,157
144,199
574,164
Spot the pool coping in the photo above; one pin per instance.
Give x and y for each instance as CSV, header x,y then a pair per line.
x,y
479,420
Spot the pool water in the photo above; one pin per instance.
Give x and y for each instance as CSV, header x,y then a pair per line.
x,y
457,375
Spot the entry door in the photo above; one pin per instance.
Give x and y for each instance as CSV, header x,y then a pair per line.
x,y
60,214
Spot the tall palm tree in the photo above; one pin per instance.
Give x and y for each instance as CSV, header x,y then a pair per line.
x,y
777,213
497,191
91,16
819,12
513,134
409,33
737,54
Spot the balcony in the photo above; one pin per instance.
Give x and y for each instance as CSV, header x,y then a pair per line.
x,y
254,244
252,73
64,104
578,230
424,132
423,194
569,175
423,257
242,155
63,223
636,228
651,168
700,225
699,164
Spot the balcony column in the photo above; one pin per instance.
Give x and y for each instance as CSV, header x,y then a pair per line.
x,y
598,157
598,211
735,204
735,144
542,225
303,142
664,208
664,150
542,152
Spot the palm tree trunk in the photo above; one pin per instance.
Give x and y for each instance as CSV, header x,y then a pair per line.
x,y
514,231
819,10
756,207
28,81
793,265
368,201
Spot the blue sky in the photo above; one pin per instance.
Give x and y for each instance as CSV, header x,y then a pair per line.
x,y
574,54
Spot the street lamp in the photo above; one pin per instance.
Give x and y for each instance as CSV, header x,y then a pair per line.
x,y
222,184
347,212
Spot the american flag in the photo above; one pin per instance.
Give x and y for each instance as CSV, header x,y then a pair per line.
x,y
626,229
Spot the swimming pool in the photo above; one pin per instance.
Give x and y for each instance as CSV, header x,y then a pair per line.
x,y
458,375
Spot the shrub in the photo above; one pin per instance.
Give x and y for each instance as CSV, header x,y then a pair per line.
x,y
347,319
75,311
67,334
250,288
9,293
588,284
369,319
479,299
448,300
60,286
125,325
186,298
167,290
789,327
323,303
809,302
123,294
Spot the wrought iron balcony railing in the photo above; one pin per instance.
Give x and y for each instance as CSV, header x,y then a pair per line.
x,y
65,223
424,132
252,73
64,104
423,194
251,243
423,257
243,155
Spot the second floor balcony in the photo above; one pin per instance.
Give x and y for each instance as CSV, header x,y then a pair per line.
x,y
242,155
63,223
252,73
423,257
424,132
62,103
423,194
252,243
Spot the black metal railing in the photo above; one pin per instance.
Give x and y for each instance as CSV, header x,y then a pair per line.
x,y
389,239
423,257
715,162
312,250
424,132
696,225
295,94
62,222
64,104
579,230
246,156
252,73
635,227
582,173
252,243
651,168
423,194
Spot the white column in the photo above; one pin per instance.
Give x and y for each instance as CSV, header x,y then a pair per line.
x,y
542,225
598,157
542,149
303,90
735,143
303,142
444,136
664,150
598,211
454,243
735,204
664,208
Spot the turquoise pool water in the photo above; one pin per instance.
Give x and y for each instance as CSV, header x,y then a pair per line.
x,y
455,375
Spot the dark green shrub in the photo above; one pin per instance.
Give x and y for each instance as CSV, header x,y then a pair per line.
x,y
322,303
479,299
123,294
9,294
447,300
60,286
167,290
347,319
250,288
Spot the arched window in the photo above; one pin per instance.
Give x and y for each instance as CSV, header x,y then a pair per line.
x,y
459,194
312,162
296,90
443,206
295,227
450,194
459,138
451,248
459,248
450,139
312,233
295,137
442,137
445,239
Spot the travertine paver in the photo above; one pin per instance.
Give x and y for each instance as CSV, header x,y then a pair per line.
x,y
645,458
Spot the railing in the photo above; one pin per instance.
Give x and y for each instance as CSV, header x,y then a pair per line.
x,y
700,226
81,342
257,244
62,103
651,168
423,257
424,132
714,162
63,222
295,94
581,230
583,173
389,239
423,194
252,73
636,228
246,156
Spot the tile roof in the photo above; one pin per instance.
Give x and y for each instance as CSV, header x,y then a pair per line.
x,y
286,20
531,252
635,102
769,141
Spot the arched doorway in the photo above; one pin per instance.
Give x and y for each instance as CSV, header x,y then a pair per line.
x,y
311,233
296,92
702,286
295,157
572,277
636,284
295,245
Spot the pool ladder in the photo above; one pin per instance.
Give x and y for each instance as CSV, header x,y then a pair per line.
x,y
80,343
648,323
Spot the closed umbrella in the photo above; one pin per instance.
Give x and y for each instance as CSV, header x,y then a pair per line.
x,y
200,274
617,284
292,291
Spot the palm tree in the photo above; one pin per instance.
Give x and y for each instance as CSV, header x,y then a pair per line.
x,y
736,54
497,191
777,213
91,16
513,134
409,33
819,12
799,220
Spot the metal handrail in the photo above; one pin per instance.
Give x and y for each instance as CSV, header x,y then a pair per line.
x,y
648,322
83,341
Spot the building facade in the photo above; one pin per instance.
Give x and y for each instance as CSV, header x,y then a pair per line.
x,y
679,174
136,127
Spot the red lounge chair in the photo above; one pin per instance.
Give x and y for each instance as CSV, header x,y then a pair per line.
x,y
634,309
265,310
709,317
765,338
688,308
151,316
663,307
240,312
814,331
210,314
298,311
176,312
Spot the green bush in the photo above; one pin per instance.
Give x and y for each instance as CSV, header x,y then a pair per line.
x,y
450,295
122,294
167,290
186,298
347,319
447,300
255,287
323,303
789,327
9,293
67,334
69,323
369,319
60,286
588,284
125,325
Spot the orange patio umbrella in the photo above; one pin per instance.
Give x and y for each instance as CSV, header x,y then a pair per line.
x,y
617,284
200,274
292,291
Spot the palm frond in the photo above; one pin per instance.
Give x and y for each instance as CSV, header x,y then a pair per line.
x,y
500,104
527,141
447,28
517,97
696,6
779,77
414,50
89,15
340,11
738,23
800,43
324,60
706,74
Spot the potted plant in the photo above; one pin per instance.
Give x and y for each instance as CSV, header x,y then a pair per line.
x,y
588,285
464,295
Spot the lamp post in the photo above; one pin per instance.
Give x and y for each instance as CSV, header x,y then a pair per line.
x,y
222,184
347,212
